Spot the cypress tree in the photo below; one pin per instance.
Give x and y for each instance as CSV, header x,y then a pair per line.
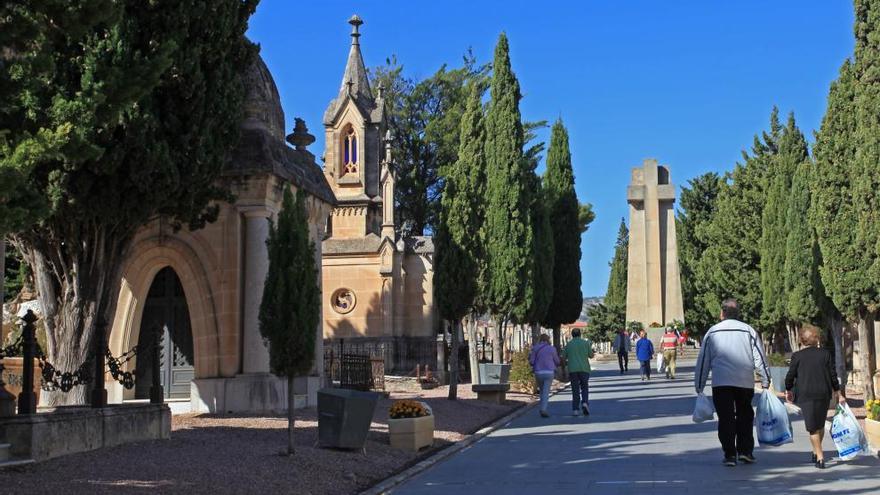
x,y
459,249
774,231
508,229
615,296
116,113
698,203
832,212
867,176
291,304
804,293
730,265
539,282
569,221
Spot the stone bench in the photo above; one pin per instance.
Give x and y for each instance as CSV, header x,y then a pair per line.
x,y
492,392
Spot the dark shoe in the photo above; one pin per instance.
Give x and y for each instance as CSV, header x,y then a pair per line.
x,y
813,458
747,458
730,461
820,464
544,414
585,409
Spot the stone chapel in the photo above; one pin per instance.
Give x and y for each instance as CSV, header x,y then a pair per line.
x,y
378,286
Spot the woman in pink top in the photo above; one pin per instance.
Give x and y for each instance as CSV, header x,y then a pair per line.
x,y
544,360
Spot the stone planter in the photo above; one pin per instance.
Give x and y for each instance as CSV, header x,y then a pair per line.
x,y
344,417
13,376
494,373
411,433
777,377
872,431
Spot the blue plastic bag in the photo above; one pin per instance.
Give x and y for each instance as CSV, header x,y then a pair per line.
x,y
771,420
848,436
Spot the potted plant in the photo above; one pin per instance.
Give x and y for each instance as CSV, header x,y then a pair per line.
x,y
872,423
410,425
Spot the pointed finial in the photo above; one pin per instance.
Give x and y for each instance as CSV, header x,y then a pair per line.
x,y
355,22
300,137
380,89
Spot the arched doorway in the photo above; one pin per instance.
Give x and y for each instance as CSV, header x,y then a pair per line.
x,y
166,312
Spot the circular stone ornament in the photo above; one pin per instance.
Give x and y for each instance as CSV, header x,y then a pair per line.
x,y
343,301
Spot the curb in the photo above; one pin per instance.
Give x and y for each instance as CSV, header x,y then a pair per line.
x,y
384,486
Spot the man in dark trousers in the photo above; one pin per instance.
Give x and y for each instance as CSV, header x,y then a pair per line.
x,y
621,347
732,352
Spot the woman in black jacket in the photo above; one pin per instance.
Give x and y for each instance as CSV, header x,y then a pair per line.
x,y
810,383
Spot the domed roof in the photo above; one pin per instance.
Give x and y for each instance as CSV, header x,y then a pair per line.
x,y
262,105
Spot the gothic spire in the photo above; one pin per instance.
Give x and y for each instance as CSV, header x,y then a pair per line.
x,y
354,79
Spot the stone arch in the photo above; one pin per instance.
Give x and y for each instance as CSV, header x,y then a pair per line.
x,y
148,256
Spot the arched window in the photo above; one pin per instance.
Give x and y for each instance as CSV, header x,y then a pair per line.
x,y
349,152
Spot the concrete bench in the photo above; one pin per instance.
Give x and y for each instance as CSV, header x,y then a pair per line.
x,y
492,392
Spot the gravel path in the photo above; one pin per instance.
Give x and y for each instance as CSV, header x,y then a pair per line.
x,y
244,454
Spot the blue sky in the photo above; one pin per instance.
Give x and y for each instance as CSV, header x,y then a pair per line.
x,y
686,82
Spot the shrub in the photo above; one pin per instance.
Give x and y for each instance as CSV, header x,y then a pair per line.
x,y
408,409
776,359
522,377
872,409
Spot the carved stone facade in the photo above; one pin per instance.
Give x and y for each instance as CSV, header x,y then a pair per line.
x,y
222,268
653,288
387,279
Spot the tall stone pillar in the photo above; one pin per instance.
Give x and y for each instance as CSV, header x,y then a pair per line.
x,y
256,267
653,293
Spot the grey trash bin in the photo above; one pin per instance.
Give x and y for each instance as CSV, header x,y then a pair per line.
x,y
494,373
344,417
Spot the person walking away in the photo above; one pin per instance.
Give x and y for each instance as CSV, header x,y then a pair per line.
x,y
669,346
621,347
577,357
810,383
544,360
732,352
645,353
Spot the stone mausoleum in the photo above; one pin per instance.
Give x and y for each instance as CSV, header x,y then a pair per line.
x,y
378,286
202,289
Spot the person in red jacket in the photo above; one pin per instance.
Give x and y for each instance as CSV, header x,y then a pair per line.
x,y
669,344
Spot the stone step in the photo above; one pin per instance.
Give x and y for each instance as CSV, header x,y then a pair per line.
x,y
4,451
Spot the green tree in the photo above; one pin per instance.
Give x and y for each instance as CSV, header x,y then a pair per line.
x,y
774,229
539,282
585,217
832,212
508,229
698,203
290,310
424,117
730,265
117,113
566,214
458,245
603,323
867,177
804,293
615,296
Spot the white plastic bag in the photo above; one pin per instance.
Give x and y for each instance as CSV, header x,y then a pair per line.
x,y
771,420
847,434
704,410
660,363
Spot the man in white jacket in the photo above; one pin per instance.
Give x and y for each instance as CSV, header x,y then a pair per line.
x,y
732,351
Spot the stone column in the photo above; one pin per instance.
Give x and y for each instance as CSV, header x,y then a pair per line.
x,y
256,266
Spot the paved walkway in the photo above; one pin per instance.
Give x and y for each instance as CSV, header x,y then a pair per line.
x,y
639,439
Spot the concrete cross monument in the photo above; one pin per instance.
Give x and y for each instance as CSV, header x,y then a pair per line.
x,y
653,284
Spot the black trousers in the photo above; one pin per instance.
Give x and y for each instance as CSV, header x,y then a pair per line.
x,y
735,419
623,360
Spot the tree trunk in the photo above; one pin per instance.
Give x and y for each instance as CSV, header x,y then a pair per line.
x,y
866,360
75,282
498,342
453,360
792,328
536,333
836,324
291,418
472,349
557,340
